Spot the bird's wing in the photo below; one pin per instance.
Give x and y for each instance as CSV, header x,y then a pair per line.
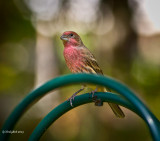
x,y
89,63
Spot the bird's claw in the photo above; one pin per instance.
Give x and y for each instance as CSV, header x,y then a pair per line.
x,y
98,102
93,92
74,95
71,99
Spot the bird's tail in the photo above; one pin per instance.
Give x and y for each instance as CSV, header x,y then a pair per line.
x,y
116,109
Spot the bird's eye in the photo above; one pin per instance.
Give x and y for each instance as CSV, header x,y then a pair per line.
x,y
71,35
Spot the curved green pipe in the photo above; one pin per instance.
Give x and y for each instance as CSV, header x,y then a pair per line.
x,y
148,117
65,107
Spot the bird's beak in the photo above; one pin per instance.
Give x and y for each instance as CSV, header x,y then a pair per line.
x,y
64,38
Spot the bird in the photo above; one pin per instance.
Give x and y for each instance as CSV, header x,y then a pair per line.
x,y
79,59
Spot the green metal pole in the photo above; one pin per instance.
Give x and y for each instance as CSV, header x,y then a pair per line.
x,y
65,107
148,117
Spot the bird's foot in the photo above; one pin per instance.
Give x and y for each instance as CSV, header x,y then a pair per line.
x,y
71,99
98,102
92,93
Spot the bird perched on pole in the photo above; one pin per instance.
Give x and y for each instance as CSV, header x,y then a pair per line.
x,y
80,60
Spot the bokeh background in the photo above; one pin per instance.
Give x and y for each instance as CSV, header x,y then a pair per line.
x,y
123,35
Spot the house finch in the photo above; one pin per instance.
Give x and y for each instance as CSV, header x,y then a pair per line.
x,y
80,60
